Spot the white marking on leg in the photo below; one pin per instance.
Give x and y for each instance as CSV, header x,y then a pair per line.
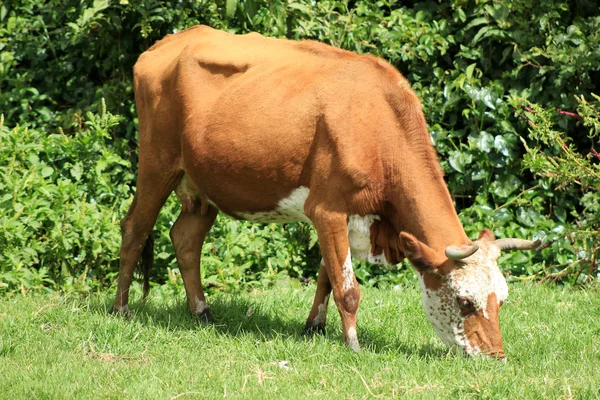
x,y
352,339
200,306
322,314
348,273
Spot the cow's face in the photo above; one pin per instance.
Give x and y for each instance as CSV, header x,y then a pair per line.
x,y
462,295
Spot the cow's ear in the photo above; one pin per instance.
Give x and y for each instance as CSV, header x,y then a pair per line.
x,y
486,235
421,256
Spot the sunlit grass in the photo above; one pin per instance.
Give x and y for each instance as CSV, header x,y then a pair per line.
x,y
70,347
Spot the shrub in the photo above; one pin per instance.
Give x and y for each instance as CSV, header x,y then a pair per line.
x,y
568,168
470,62
61,195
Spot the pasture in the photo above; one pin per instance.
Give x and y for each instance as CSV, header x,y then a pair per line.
x,y
69,346
509,92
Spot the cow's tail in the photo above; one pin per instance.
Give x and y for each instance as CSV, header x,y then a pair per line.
x,y
145,264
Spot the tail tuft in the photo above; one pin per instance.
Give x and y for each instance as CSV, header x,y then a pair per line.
x,y
145,264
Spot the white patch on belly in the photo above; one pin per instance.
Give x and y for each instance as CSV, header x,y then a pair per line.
x,y
359,235
348,273
289,209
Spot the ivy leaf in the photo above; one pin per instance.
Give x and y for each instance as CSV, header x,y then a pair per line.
x,y
96,248
300,7
483,141
230,8
560,214
507,186
458,160
527,216
77,171
47,171
503,146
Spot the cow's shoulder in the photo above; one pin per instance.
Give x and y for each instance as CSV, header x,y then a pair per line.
x,y
161,58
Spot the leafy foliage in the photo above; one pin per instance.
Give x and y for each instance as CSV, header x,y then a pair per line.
x,y
565,167
61,195
68,175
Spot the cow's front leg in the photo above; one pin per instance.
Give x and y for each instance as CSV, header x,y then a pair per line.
x,y
318,314
332,230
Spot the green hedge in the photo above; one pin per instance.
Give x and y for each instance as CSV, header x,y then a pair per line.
x,y
68,174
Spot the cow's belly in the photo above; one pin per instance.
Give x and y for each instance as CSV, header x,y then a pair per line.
x,y
287,209
291,209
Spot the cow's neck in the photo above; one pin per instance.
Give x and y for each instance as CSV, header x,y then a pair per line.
x,y
421,203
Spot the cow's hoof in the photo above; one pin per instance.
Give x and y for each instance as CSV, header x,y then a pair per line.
x,y
353,345
123,312
311,330
205,317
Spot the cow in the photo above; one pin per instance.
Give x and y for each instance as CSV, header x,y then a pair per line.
x,y
275,130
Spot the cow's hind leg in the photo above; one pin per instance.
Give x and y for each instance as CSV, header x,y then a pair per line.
x,y
153,189
332,230
188,234
318,314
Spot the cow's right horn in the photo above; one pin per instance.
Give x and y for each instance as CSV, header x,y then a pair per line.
x,y
459,252
517,244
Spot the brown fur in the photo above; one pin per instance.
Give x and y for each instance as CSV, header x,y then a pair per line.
x,y
241,121
483,332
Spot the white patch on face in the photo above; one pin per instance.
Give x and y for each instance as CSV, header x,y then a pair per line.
x,y
322,315
200,306
479,277
475,279
289,209
359,235
444,316
348,273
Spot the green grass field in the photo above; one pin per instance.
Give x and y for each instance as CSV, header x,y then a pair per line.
x,y
54,347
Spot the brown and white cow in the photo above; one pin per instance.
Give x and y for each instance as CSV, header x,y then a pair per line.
x,y
267,129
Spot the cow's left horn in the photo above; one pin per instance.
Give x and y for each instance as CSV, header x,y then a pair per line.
x,y
460,252
517,244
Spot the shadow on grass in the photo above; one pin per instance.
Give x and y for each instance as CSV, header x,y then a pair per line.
x,y
234,315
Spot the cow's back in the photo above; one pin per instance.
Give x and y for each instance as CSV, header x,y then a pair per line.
x,y
251,118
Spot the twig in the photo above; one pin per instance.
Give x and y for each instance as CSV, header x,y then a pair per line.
x,y
527,109
35,314
526,118
516,197
365,383
184,394
567,113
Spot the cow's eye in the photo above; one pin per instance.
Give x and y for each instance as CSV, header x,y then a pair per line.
x,y
465,304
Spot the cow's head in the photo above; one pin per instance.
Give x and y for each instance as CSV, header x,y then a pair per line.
x,y
463,290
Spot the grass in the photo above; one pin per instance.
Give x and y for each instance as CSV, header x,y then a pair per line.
x,y
55,347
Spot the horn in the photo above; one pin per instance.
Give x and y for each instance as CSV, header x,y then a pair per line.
x,y
517,244
460,252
